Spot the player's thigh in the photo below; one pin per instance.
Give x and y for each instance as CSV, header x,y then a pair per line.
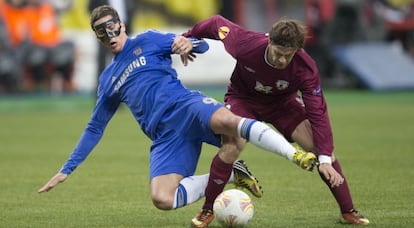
x,y
176,154
224,122
240,107
284,117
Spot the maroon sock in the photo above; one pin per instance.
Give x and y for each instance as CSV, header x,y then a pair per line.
x,y
220,173
341,193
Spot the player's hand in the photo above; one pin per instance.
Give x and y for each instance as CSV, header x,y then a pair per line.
x,y
58,178
187,57
181,45
334,178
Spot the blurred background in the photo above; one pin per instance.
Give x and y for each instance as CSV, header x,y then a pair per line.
x,y
47,47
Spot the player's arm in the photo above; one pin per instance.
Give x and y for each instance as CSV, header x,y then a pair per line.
x,y
182,45
317,113
186,47
219,28
90,137
210,28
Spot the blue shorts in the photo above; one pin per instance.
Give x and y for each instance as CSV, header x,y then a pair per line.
x,y
180,134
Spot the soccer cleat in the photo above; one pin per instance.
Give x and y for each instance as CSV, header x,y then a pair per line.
x,y
305,160
243,178
354,217
203,218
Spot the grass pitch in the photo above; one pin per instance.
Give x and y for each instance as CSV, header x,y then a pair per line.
x,y
373,133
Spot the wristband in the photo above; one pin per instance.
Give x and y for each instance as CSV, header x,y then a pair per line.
x,y
324,159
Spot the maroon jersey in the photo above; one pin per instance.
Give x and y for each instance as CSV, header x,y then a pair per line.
x,y
263,86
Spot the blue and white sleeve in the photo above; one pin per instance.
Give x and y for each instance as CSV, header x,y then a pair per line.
x,y
199,45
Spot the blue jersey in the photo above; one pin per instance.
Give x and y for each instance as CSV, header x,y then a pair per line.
x,y
142,77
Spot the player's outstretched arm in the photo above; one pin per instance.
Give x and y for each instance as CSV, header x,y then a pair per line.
x,y
58,178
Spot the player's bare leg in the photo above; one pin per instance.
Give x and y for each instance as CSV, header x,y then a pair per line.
x,y
163,190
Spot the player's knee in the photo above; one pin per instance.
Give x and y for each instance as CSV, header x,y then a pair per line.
x,y
225,122
162,201
163,188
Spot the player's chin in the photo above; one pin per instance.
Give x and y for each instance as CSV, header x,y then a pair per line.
x,y
114,48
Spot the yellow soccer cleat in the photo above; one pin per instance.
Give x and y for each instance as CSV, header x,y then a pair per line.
x,y
305,160
243,178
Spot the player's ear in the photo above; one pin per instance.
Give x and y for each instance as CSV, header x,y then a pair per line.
x,y
123,27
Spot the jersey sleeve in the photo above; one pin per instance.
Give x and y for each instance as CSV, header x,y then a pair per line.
x,y
199,45
317,113
165,40
103,112
219,28
162,40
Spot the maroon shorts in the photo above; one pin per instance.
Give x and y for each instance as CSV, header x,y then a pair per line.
x,y
284,116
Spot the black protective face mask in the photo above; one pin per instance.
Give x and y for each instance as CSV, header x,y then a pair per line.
x,y
108,29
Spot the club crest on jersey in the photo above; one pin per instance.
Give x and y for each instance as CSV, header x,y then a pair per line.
x,y
137,51
282,84
223,31
262,88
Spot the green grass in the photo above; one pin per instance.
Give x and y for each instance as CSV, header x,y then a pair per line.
x,y
373,137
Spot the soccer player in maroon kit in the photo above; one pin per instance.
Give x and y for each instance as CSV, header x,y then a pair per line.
x,y
270,71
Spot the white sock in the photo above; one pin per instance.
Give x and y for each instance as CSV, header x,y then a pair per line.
x,y
262,136
190,190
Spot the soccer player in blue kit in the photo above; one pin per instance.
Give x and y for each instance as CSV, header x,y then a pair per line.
x,y
176,119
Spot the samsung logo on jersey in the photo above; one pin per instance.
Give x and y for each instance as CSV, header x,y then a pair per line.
x,y
141,61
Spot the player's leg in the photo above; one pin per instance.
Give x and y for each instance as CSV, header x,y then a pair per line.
x,y
303,136
223,122
209,114
220,171
177,150
222,164
173,161
163,188
260,135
